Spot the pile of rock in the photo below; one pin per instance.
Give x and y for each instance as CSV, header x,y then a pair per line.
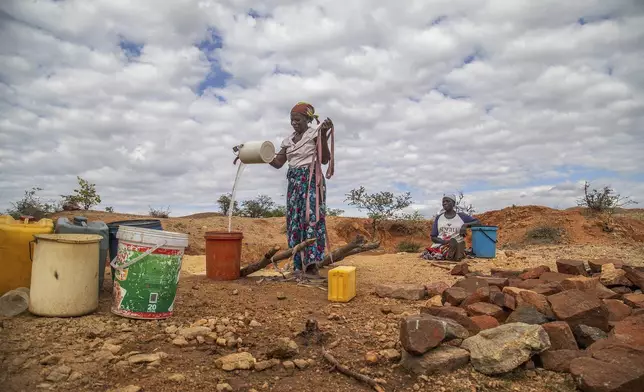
x,y
586,319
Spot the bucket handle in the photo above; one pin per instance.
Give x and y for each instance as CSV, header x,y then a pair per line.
x,y
136,259
488,236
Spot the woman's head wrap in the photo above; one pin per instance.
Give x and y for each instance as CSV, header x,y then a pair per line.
x,y
450,196
306,109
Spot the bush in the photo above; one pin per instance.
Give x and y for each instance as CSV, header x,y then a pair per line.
x,y
224,203
109,209
85,196
160,213
334,212
545,235
603,200
408,247
31,205
380,206
260,207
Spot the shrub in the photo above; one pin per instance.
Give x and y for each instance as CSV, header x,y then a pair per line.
x,y
109,209
380,206
160,213
408,247
603,200
545,235
31,205
85,196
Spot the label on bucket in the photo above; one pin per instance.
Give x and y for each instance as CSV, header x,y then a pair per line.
x,y
147,288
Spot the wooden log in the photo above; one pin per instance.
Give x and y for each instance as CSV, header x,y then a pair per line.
x,y
275,257
356,246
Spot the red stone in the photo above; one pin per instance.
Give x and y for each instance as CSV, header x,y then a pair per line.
x,y
483,308
537,300
482,294
617,310
561,336
630,330
596,265
420,333
461,268
529,284
470,284
534,273
514,282
548,288
436,288
494,281
634,275
559,360
571,267
503,300
634,300
505,273
554,277
593,375
453,313
577,307
401,291
454,296
485,322
621,290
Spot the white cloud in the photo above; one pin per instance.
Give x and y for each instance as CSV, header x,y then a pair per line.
x,y
512,101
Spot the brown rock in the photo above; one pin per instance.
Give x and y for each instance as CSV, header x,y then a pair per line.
x,y
534,273
561,336
503,300
539,301
548,288
602,292
485,322
453,313
612,369
514,282
621,290
470,284
559,360
554,277
513,291
461,268
596,265
505,273
436,300
571,267
454,296
530,284
527,314
634,300
487,309
495,282
581,283
371,358
576,307
630,330
482,294
634,275
436,288
413,292
611,276
420,333
443,359
617,310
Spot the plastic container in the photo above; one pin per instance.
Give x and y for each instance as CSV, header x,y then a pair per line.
x,y
256,152
484,241
342,284
15,245
223,255
113,228
64,279
147,270
79,225
14,302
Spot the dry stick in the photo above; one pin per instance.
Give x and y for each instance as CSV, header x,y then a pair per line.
x,y
344,370
441,266
274,257
356,246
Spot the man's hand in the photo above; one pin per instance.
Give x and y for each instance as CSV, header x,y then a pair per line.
x,y
326,125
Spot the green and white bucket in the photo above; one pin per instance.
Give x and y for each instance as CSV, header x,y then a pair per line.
x,y
146,272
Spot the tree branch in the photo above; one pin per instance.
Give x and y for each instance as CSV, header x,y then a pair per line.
x,y
347,372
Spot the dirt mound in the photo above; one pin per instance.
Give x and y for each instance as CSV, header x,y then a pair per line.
x,y
515,223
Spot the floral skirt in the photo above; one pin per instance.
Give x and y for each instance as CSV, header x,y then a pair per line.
x,y
297,228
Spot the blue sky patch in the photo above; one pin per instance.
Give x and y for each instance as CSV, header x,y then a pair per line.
x,y
217,77
130,48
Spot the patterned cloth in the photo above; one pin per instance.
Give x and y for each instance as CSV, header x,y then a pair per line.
x,y
297,228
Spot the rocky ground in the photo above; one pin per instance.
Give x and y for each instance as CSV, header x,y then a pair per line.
x,y
245,335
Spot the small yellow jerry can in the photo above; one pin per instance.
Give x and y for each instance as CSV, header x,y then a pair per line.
x,y
342,284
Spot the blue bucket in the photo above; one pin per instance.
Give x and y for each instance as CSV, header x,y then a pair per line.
x,y
484,241
113,227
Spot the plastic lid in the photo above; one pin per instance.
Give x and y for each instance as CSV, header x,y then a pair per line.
x,y
70,238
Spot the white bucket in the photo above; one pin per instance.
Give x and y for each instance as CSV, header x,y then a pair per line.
x,y
257,152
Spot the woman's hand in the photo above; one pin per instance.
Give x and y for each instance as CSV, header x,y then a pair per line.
x,y
463,230
326,125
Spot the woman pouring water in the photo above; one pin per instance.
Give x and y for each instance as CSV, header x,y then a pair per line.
x,y
306,150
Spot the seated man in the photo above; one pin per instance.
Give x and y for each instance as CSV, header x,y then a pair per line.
x,y
448,233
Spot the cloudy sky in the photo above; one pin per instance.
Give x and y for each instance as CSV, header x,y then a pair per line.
x,y
511,101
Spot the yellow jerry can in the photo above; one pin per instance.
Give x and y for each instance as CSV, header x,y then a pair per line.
x,y
16,245
342,284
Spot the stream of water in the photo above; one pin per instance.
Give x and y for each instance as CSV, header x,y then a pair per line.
x,y
231,206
